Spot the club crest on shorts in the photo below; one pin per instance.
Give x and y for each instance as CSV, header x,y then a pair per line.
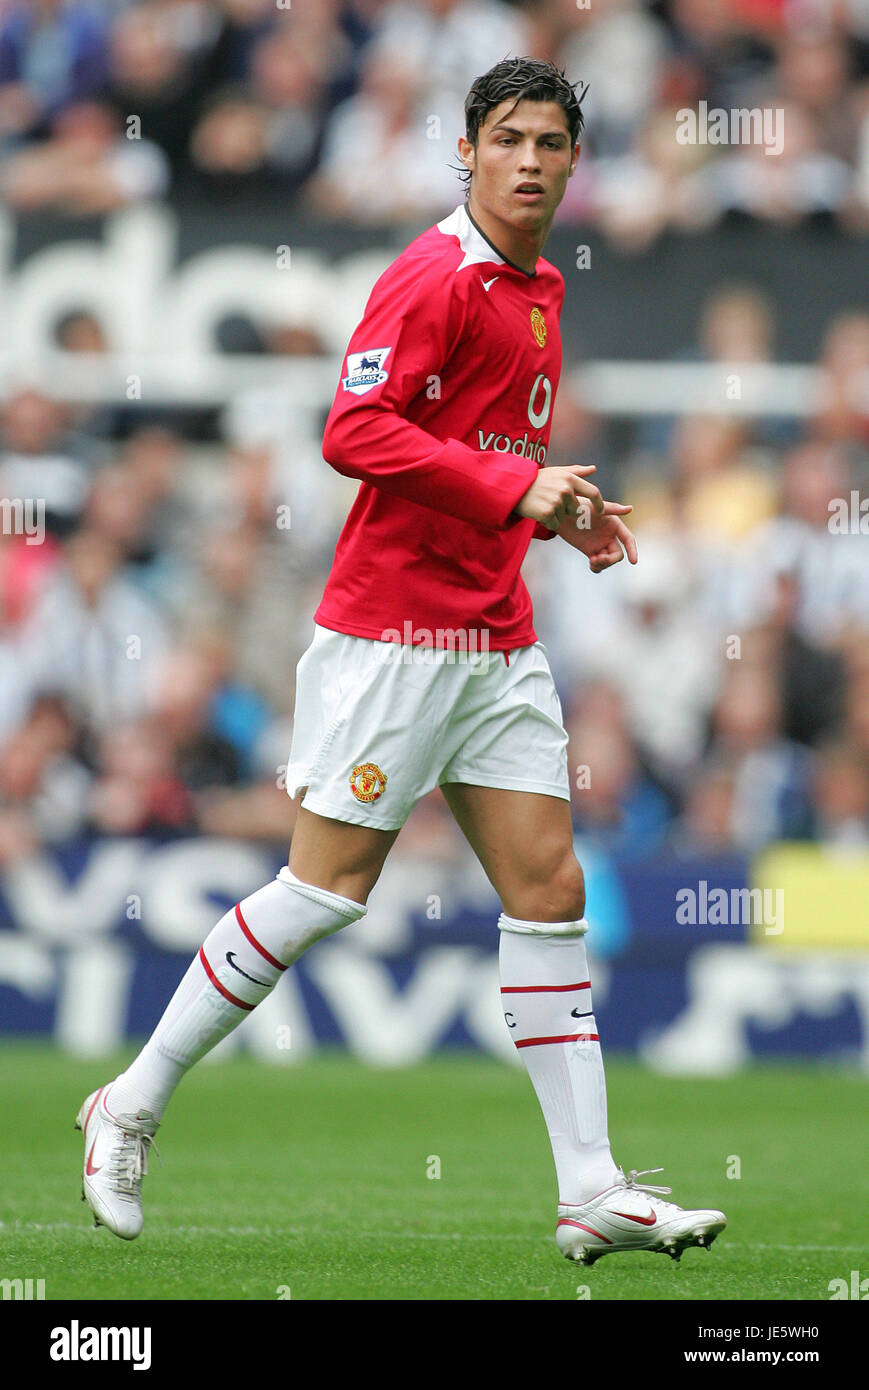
x,y
365,370
367,782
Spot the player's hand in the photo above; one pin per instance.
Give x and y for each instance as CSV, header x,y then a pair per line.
x,y
603,537
558,493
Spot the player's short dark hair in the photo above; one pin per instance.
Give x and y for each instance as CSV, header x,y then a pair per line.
x,y
523,79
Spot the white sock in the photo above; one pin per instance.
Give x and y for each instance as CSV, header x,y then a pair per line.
x,y
546,996
239,964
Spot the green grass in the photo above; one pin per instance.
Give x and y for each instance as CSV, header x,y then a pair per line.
x,y
314,1178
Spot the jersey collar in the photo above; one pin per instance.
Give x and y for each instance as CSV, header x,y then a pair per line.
x,y
475,244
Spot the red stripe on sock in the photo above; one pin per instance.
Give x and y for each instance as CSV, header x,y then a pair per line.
x,y
567,1037
253,941
543,989
239,1003
565,1221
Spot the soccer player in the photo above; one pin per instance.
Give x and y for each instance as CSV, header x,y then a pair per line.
x,y
425,671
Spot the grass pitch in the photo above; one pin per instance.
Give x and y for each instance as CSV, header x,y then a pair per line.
x,y
313,1183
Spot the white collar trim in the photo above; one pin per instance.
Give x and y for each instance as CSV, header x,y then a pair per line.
x,y
475,247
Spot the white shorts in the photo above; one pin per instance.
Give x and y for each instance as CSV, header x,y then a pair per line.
x,y
379,724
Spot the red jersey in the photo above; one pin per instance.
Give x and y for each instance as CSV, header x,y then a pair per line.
x,y
443,411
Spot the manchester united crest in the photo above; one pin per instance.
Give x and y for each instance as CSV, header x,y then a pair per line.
x,y
538,326
367,782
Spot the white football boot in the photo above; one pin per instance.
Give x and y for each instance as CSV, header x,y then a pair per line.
x,y
628,1216
116,1160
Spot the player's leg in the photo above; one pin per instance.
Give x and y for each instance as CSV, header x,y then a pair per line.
x,y
352,706
525,843
334,867
341,857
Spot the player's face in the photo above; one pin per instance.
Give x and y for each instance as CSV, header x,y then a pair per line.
x,y
521,143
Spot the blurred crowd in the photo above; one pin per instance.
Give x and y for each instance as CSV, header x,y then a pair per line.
x,y
353,107
717,696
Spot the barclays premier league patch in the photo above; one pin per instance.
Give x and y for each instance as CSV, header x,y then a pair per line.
x,y
365,370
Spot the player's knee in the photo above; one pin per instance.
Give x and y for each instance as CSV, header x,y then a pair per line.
x,y
568,888
557,893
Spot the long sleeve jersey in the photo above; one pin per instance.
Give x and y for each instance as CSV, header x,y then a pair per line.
x,y
443,410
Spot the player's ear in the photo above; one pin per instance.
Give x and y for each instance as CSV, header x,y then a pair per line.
x,y
466,152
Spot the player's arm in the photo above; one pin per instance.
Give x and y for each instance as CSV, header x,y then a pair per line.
x,y
416,316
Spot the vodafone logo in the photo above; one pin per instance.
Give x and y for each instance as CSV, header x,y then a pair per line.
x,y
503,444
539,406
540,400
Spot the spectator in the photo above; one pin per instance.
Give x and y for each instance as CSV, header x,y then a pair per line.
x,y
449,43
619,48
650,187
737,325
771,789
615,803
726,490
404,173
784,185
87,168
290,79
244,587
663,656
829,567
53,54
813,70
192,702
43,784
138,790
36,458
706,825
93,639
812,680
229,145
152,78
843,412
841,801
